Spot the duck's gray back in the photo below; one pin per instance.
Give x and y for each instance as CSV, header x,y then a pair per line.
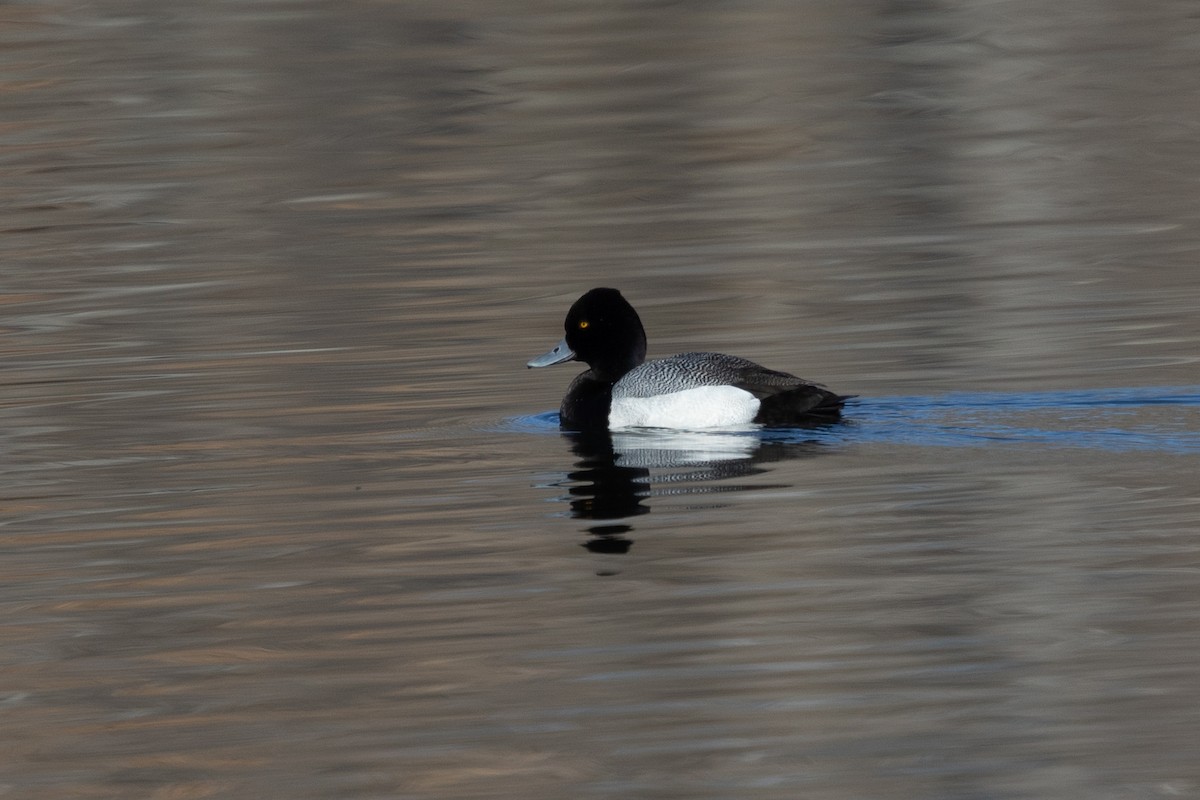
x,y
691,370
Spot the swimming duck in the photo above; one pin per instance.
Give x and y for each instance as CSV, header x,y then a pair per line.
x,y
686,391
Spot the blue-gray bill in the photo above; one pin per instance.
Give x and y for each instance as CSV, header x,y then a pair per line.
x,y
561,352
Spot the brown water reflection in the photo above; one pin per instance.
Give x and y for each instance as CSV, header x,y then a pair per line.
x,y
284,516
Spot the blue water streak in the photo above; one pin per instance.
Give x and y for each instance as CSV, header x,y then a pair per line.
x,y
1158,419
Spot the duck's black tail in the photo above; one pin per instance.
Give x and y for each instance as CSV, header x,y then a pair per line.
x,y
807,404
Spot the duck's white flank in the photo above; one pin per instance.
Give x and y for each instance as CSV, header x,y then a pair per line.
x,y
690,409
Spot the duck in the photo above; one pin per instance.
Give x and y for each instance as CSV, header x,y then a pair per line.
x,y
689,391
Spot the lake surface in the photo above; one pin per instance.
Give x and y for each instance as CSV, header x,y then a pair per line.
x,y
285,516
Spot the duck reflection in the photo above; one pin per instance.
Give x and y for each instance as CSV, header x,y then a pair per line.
x,y
618,473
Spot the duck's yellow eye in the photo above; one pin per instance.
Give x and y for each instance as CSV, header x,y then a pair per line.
x,y
583,324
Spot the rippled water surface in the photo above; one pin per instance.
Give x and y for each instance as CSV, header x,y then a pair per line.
x,y
285,516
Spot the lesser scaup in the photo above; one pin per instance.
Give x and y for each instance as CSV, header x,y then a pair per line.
x,y
691,390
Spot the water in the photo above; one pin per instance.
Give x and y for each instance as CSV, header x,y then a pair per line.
x,y
285,516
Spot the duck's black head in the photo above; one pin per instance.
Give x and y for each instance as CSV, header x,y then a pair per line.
x,y
604,331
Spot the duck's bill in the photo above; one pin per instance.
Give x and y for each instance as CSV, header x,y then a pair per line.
x,y
561,352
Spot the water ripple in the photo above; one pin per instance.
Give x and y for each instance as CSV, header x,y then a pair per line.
x,y
1154,419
